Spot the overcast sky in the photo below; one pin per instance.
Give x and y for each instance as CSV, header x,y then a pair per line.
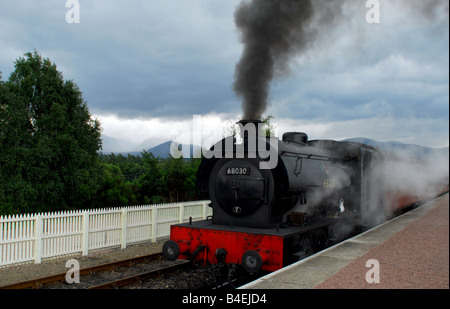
x,y
145,67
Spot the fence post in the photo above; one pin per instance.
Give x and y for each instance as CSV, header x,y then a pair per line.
x,y
38,240
181,213
124,229
205,209
85,233
154,222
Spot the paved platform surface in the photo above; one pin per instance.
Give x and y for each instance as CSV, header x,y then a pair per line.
x,y
410,251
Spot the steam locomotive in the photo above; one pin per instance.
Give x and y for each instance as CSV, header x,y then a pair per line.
x,y
274,201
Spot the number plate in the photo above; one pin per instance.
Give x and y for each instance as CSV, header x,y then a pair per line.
x,y
238,171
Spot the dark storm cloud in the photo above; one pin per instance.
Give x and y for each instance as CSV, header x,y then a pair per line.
x,y
274,32
143,59
137,58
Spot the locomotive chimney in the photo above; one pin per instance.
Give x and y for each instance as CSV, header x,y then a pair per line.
x,y
255,143
249,127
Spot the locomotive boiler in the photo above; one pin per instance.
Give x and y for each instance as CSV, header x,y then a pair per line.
x,y
244,193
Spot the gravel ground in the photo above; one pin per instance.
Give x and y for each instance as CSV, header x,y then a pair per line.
x,y
197,277
18,273
414,258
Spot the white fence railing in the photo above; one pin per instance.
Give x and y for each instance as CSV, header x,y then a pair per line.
x,y
35,237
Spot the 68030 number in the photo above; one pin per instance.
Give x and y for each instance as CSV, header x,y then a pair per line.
x,y
238,171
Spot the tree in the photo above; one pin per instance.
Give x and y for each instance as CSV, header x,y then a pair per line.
x,y
113,191
190,183
49,141
151,181
268,128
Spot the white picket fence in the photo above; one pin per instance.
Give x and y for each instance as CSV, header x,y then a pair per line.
x,y
25,238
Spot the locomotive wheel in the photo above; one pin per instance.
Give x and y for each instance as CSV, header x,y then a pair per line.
x,y
171,250
306,244
252,261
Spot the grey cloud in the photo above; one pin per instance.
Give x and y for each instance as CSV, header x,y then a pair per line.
x,y
166,58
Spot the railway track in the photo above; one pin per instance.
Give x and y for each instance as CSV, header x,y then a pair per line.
x,y
139,278
106,276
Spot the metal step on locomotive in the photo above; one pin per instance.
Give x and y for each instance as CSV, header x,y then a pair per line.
x,y
275,201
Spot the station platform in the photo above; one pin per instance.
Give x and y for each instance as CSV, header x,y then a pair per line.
x,y
408,252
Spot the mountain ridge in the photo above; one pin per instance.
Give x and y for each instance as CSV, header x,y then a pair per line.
x,y
163,150
395,146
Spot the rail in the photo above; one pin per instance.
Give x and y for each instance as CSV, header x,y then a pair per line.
x,y
61,277
154,271
34,237
141,277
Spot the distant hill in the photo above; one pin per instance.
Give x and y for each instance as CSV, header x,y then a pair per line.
x,y
411,149
111,144
163,150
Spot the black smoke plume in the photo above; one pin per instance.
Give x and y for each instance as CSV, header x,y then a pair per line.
x,y
271,32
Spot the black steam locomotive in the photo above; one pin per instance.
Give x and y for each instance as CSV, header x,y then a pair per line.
x,y
274,201
244,194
